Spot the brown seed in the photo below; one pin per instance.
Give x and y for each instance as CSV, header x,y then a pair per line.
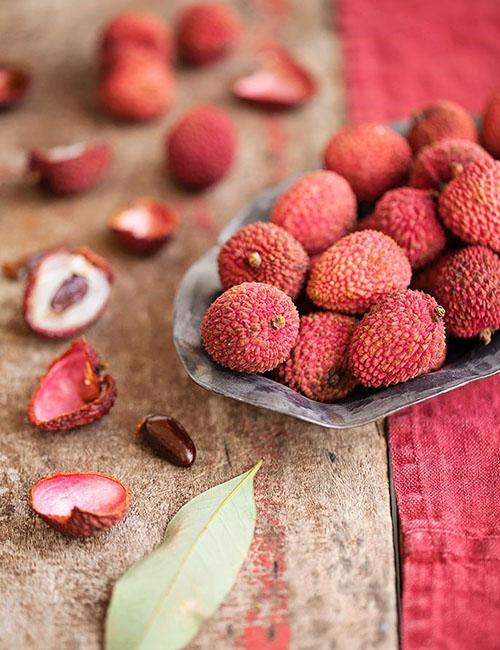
x,y
169,439
71,291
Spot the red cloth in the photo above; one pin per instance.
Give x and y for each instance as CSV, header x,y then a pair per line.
x,y
400,55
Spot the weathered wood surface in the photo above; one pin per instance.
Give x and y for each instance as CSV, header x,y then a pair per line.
x,y
320,573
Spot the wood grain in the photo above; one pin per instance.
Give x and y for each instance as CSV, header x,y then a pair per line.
x,y
320,572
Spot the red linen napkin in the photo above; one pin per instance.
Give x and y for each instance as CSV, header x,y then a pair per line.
x,y
400,55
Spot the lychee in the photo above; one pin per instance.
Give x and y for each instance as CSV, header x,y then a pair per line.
x,y
263,252
357,271
401,337
318,209
491,125
436,164
444,119
409,216
372,157
206,32
137,29
317,365
250,328
201,147
470,205
14,85
467,283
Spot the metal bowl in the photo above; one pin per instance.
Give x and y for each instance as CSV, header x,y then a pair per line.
x,y
466,361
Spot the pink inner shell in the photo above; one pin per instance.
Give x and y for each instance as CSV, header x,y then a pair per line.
x,y
58,495
275,84
144,222
62,389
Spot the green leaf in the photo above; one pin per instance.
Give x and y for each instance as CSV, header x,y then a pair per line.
x,y
161,602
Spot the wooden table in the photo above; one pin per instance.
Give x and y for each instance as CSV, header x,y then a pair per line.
x,y
320,574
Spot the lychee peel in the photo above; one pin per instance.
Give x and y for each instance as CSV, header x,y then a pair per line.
x,y
372,157
263,252
437,164
491,125
201,147
401,337
467,284
409,216
250,328
317,209
470,205
317,365
358,271
444,119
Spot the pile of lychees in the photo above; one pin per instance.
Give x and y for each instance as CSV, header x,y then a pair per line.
x,y
378,295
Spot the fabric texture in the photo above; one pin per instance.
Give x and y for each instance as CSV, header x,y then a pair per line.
x,y
398,56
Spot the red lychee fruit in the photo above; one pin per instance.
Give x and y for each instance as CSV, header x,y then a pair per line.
x,y
137,29
201,147
491,125
317,209
263,252
401,337
438,163
137,87
317,365
467,283
250,328
372,157
14,85
444,119
470,205
409,216
357,271
207,32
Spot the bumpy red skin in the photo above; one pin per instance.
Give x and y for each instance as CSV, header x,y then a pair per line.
x,y
409,216
401,337
491,125
283,261
91,411
137,29
444,119
137,88
317,365
372,157
436,164
317,209
74,174
470,205
207,32
81,523
201,147
238,332
92,257
14,85
358,271
467,284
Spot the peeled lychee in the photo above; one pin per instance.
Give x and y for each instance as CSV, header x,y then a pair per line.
x,y
250,328
436,164
201,146
318,209
409,216
372,157
444,119
137,29
206,32
491,125
317,365
401,337
263,252
467,283
470,205
357,271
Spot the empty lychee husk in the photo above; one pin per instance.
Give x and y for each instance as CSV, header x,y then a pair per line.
x,y
14,84
80,504
73,392
279,82
66,291
145,226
